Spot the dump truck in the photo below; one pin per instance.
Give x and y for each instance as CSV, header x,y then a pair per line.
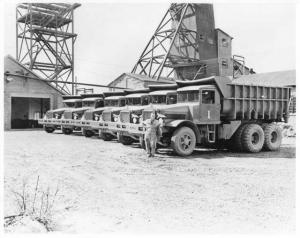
x,y
214,112
134,100
131,118
111,100
73,115
52,118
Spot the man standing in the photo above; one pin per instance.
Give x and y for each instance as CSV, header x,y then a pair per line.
x,y
152,134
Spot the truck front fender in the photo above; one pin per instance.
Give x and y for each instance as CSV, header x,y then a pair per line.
x,y
180,123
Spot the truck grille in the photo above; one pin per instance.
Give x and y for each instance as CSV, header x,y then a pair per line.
x,y
49,115
125,117
88,115
106,116
68,115
146,115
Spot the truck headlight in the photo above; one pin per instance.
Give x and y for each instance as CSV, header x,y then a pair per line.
x,y
116,118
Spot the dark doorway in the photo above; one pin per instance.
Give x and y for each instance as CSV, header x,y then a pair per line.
x,y
25,112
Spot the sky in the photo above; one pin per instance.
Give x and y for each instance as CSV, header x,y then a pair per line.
x,y
111,36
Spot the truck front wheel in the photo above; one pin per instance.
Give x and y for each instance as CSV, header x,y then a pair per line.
x,y
253,138
107,136
183,141
88,133
49,129
125,140
273,137
67,131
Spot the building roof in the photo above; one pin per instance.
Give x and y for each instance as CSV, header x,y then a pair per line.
x,y
31,72
279,78
144,78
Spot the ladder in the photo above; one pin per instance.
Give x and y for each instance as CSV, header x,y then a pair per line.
x,y
211,133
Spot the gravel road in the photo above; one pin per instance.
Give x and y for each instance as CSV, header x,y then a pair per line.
x,y
106,186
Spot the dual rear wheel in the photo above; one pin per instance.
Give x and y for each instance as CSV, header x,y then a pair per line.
x,y
253,137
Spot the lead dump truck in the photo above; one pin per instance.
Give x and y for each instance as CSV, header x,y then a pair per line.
x,y
52,118
213,111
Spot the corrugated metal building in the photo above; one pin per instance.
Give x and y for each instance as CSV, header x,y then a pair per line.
x,y
136,81
26,99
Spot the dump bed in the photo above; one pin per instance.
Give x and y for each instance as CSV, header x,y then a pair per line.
x,y
245,102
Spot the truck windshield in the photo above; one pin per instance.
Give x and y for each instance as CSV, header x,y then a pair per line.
x,y
145,100
111,103
188,96
69,104
122,102
171,99
133,101
88,103
158,99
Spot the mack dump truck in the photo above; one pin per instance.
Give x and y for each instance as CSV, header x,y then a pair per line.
x,y
134,99
214,111
52,118
111,100
158,96
73,115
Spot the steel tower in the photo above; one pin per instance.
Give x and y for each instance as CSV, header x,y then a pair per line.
x,y
45,41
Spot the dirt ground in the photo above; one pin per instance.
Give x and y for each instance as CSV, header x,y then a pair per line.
x,y
106,186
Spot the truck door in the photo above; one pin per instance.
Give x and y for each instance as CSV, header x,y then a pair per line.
x,y
209,106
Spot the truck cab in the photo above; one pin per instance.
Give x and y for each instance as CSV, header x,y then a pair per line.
x,y
52,118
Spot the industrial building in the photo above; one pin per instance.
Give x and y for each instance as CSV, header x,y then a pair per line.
x,y
26,96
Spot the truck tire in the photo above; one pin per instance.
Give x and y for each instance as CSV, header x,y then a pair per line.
x,y
49,129
253,138
67,131
88,133
125,140
273,137
183,141
106,136
237,138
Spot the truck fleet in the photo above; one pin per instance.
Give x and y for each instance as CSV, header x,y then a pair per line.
x,y
208,112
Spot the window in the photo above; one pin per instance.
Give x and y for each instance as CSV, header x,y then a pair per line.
x,y
145,100
210,41
224,63
122,102
225,42
158,99
190,96
201,37
208,97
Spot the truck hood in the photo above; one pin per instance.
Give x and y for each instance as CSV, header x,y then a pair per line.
x,y
176,111
78,110
59,110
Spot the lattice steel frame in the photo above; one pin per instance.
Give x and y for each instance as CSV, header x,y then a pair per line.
x,y
156,65
45,41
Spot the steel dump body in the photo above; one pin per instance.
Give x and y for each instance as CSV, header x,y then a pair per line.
x,y
246,102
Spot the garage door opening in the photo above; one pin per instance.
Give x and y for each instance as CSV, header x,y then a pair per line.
x,y
25,112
